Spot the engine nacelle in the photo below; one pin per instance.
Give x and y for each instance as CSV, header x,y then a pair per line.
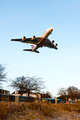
x,y
55,45
52,41
33,37
23,38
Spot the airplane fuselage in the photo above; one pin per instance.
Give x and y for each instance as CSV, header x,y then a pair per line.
x,y
47,32
38,41
44,38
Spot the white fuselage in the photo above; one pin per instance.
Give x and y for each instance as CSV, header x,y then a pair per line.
x,y
47,32
44,38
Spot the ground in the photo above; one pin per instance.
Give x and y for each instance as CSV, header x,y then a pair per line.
x,y
39,111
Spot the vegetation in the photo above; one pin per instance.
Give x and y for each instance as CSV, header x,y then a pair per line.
x,y
2,74
27,84
71,92
39,111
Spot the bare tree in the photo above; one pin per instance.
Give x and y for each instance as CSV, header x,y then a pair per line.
x,y
77,94
2,74
72,92
63,93
27,84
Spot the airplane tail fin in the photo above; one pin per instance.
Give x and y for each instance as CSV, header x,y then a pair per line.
x,y
31,50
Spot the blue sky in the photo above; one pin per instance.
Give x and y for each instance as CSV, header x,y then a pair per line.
x,y
58,68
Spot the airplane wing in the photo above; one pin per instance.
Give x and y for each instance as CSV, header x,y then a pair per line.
x,y
32,40
30,50
50,44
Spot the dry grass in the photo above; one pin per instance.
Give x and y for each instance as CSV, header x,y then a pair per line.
x,y
39,111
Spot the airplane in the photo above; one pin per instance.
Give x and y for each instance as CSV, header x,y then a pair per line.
x,y
38,41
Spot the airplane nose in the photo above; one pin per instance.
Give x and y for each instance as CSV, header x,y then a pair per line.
x,y
51,29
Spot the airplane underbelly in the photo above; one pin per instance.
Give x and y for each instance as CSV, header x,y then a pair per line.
x,y
42,42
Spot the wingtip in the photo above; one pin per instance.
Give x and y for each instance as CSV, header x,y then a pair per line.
x,y
16,39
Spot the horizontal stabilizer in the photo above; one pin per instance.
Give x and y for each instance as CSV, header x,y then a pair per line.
x,y
16,39
31,50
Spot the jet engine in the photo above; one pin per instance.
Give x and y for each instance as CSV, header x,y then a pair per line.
x,y
33,37
55,45
23,38
52,42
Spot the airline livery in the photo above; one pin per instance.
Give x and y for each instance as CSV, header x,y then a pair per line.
x,y
38,41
